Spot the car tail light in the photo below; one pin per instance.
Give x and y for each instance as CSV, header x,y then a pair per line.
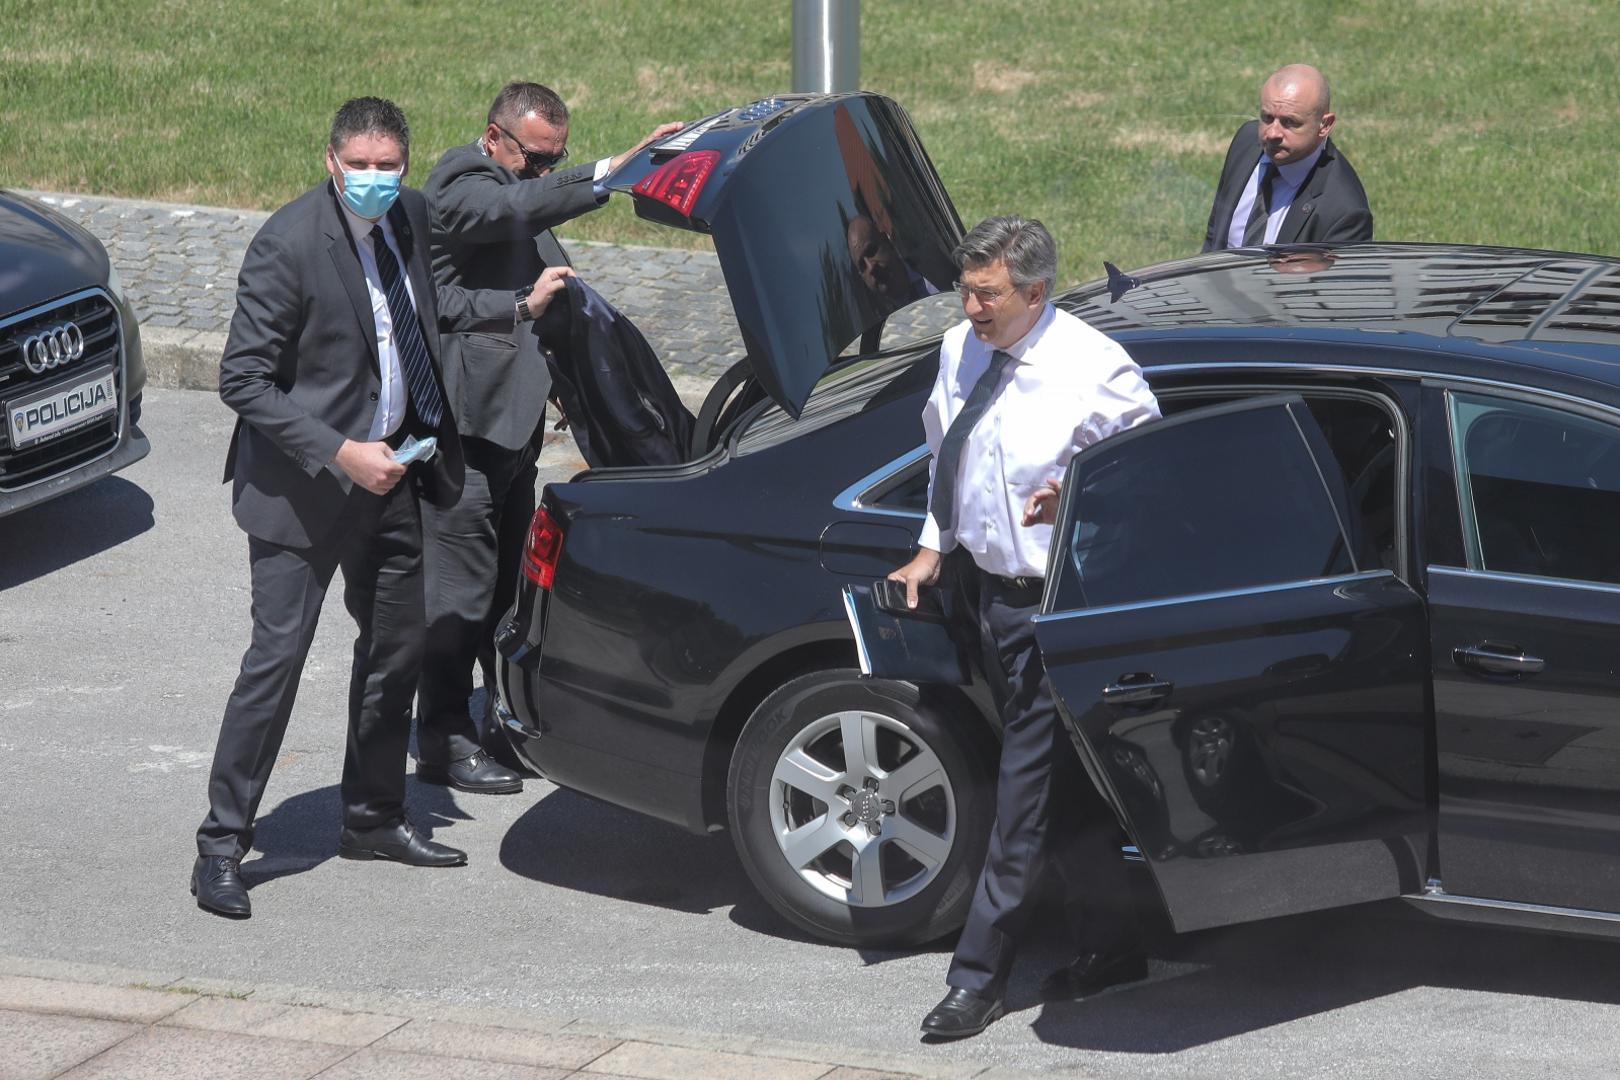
x,y
676,182
544,548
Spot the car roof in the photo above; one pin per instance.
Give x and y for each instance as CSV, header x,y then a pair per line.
x,y
1544,313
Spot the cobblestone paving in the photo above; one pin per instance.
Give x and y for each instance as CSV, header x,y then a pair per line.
x,y
179,265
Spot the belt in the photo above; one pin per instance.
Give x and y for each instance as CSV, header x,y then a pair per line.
x,y
1022,583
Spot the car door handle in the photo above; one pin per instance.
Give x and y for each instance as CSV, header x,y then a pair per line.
x,y
1136,690
1493,659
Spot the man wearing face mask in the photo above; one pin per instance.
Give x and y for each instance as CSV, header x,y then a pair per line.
x,y
331,364
492,204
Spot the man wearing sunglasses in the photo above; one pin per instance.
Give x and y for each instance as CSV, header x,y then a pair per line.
x,y
492,204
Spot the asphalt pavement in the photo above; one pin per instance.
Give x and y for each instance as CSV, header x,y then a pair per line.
x,y
123,615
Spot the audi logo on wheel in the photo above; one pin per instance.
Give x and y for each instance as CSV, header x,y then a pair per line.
x,y
53,347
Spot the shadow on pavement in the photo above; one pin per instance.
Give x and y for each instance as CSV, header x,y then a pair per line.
x,y
80,524
301,831
575,842
1214,985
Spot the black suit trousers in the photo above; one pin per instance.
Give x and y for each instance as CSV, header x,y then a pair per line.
x,y
379,548
1047,811
472,553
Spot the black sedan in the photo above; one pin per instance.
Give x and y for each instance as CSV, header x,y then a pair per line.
x,y
1340,628
71,372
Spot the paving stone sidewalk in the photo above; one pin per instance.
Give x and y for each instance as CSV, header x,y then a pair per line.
x,y
79,1023
179,264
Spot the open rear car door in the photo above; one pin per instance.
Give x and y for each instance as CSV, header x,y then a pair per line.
x,y
1245,686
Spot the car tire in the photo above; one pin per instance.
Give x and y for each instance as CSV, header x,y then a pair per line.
x,y
881,847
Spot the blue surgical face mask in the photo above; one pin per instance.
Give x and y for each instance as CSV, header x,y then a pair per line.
x,y
370,192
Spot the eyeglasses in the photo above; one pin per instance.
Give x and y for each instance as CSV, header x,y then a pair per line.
x,y
534,159
987,297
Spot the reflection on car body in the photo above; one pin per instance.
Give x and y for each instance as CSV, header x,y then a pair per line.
x,y
1339,628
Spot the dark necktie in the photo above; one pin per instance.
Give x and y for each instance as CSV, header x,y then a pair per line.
x,y
1254,233
942,503
413,353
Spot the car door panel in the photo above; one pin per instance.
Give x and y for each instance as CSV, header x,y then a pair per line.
x,y
1265,745
1311,696
1529,762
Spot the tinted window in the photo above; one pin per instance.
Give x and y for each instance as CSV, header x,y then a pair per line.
x,y
1225,501
906,491
1361,436
1539,487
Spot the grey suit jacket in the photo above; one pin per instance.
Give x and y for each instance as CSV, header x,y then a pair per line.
x,y
491,231
300,367
1329,208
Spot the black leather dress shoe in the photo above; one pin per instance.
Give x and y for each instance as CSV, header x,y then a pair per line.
x,y
401,843
962,1013
1090,972
479,774
216,882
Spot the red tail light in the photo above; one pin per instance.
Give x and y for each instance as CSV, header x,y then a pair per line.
x,y
544,548
677,181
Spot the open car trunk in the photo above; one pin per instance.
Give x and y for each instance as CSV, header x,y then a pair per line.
x,y
827,216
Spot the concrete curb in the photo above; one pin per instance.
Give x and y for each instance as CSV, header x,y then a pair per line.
x,y
182,359
179,359
398,1025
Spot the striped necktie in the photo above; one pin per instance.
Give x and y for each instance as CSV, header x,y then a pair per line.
x,y
413,353
942,503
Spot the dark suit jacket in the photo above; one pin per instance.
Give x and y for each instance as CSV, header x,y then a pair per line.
x,y
1330,207
300,368
491,230
624,409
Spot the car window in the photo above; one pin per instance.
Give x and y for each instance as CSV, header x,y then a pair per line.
x,y
1539,489
905,491
1234,497
1360,431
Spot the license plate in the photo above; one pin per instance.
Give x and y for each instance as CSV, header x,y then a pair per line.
x,y
60,409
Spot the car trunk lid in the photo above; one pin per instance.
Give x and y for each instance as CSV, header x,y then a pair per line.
x,y
826,214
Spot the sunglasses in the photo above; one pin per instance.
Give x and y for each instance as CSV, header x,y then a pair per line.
x,y
534,159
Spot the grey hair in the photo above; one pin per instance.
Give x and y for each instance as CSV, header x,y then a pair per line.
x,y
1023,243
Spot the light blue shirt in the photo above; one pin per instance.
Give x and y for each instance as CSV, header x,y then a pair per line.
x,y
1283,190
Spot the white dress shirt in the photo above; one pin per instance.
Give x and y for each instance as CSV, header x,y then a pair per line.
x,y
1067,387
391,397
1283,190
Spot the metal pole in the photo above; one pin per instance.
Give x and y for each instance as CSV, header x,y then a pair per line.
x,y
826,46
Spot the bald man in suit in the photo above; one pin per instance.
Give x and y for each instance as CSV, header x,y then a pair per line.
x,y
1284,181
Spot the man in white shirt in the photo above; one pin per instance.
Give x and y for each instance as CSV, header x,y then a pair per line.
x,y
1284,181
1022,388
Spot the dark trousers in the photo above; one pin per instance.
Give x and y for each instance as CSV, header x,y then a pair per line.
x,y
471,550
1046,810
379,546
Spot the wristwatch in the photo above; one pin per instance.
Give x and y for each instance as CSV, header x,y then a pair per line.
x,y
523,313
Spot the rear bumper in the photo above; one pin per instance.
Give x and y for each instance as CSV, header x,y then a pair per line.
x,y
523,707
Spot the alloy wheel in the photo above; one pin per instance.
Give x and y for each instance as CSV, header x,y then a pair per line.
x,y
862,808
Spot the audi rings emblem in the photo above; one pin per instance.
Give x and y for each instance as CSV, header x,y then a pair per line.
x,y
53,347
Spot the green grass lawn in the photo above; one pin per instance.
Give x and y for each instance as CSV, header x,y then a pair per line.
x,y
1490,121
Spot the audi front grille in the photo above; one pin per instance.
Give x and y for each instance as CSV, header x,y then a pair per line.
x,y
91,315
